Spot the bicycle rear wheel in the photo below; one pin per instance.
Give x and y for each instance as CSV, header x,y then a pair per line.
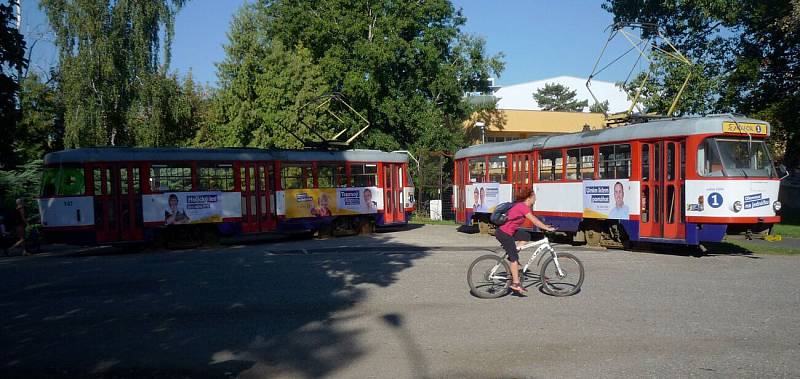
x,y
562,285
489,277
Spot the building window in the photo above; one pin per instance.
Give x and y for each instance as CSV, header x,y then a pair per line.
x,y
164,178
490,139
364,175
551,165
477,170
498,169
215,178
615,161
296,176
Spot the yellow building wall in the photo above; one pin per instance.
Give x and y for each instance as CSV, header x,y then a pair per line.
x,y
525,123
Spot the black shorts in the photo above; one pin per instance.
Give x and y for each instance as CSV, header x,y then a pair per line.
x,y
509,243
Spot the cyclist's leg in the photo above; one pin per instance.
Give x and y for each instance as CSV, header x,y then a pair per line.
x,y
510,246
521,237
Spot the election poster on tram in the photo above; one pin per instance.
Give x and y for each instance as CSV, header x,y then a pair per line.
x,y
323,202
608,198
177,208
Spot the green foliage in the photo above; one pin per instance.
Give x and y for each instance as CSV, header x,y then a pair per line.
x,y
404,65
111,67
263,88
599,107
666,77
747,54
41,127
559,98
12,62
21,183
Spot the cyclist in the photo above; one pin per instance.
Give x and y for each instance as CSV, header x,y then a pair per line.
x,y
511,238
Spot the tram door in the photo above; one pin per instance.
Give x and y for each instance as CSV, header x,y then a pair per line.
x,y
662,190
460,199
117,202
393,207
258,191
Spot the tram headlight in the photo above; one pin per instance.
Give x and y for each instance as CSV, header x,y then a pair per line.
x,y
737,206
777,206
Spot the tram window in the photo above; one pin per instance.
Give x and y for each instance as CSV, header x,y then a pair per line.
x,y
136,185
97,178
296,176
551,165
682,168
123,180
615,161
670,161
573,157
580,164
645,204
165,178
329,176
364,175
670,204
63,181
498,169
477,170
216,178
645,162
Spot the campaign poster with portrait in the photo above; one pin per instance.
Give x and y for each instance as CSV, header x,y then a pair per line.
x,y
483,197
176,208
608,198
323,202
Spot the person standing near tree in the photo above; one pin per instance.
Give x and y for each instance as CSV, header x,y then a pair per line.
x,y
20,222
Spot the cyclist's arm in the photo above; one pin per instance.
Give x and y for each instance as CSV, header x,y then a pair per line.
x,y
539,223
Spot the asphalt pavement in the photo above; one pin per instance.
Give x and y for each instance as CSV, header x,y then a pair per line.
x,y
395,304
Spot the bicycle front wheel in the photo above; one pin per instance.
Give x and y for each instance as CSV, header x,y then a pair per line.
x,y
568,282
489,277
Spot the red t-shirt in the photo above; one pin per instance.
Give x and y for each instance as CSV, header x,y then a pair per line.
x,y
516,216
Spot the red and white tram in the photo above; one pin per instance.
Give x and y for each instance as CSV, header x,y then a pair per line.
x,y
114,195
679,180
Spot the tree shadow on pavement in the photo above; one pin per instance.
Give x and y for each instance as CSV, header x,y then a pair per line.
x,y
245,312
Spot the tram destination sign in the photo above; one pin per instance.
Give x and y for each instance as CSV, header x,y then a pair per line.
x,y
760,129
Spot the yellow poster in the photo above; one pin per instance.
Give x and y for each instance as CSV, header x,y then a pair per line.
x,y
324,202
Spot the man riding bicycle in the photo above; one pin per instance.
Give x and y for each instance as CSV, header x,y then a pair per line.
x,y
511,238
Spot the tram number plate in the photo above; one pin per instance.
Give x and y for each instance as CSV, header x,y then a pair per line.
x,y
744,128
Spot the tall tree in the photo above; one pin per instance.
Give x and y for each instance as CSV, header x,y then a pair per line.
x,y
747,50
41,126
111,56
12,62
404,64
559,98
599,107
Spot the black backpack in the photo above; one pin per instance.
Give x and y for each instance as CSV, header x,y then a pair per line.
x,y
500,214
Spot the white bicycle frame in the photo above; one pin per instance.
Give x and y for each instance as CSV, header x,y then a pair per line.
x,y
541,245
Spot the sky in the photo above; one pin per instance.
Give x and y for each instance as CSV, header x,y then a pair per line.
x,y
540,38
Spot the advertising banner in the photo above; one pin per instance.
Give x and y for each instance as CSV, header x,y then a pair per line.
x,y
483,197
608,198
175,208
322,202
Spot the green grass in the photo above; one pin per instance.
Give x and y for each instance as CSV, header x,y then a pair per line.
x,y
789,226
416,219
745,247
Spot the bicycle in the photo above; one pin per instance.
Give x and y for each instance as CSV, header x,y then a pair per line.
x,y
560,275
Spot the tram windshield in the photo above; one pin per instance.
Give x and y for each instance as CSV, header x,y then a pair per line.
x,y
734,157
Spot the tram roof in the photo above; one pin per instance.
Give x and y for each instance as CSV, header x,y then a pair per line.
x,y
167,154
672,127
